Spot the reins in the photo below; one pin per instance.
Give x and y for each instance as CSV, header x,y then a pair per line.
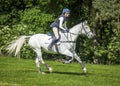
x,y
68,41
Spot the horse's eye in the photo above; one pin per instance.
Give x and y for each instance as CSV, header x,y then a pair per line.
x,y
86,27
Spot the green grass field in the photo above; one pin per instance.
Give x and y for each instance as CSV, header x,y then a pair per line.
x,y
22,72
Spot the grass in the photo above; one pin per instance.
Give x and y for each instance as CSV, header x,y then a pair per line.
x,y
22,72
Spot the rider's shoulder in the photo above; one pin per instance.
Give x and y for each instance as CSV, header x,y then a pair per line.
x,y
61,17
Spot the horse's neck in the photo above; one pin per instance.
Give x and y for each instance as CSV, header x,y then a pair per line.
x,y
72,36
68,37
75,31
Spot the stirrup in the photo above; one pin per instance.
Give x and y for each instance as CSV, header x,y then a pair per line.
x,y
49,47
58,43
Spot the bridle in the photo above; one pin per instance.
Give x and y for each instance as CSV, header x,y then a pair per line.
x,y
83,28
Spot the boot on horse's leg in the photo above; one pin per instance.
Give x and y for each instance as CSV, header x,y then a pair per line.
x,y
52,43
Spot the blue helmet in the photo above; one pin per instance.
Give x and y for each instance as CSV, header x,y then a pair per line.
x,y
65,10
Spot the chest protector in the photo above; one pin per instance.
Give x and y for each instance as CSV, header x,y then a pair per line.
x,y
56,23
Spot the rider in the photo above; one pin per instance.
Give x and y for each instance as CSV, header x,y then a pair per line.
x,y
60,23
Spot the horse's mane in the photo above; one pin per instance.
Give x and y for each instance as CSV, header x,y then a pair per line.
x,y
75,26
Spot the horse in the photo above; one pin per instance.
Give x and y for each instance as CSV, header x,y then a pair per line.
x,y
66,47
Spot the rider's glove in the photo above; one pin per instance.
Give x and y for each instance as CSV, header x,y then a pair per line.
x,y
67,30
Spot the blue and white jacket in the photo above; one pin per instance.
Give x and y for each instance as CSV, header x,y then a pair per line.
x,y
60,23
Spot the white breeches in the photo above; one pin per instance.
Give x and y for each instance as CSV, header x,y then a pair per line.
x,y
56,32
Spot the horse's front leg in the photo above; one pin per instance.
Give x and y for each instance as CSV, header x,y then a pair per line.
x,y
80,61
70,54
69,61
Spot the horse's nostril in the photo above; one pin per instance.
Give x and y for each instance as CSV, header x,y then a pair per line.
x,y
91,35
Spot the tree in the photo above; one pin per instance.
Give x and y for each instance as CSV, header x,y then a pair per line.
x,y
107,20
27,17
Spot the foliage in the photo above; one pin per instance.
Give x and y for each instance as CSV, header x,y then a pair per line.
x,y
28,17
108,33
11,33
36,20
114,50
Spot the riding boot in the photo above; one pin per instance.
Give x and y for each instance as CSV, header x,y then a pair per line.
x,y
52,43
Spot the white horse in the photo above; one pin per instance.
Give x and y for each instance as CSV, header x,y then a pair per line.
x,y
66,47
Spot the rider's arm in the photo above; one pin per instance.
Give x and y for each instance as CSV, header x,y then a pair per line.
x,y
61,19
65,26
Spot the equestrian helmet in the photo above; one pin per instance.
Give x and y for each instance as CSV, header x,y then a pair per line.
x,y
65,10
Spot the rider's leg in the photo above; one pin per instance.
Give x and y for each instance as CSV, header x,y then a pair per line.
x,y
56,33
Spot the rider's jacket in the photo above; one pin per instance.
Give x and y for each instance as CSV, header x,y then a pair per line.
x,y
56,23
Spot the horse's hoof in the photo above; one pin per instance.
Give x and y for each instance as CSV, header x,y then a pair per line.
x,y
85,70
42,73
66,62
50,69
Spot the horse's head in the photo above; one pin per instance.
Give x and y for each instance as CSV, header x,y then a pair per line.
x,y
81,28
86,30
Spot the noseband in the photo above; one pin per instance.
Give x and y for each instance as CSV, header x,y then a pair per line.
x,y
84,29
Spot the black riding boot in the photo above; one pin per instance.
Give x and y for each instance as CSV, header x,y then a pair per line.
x,y
52,43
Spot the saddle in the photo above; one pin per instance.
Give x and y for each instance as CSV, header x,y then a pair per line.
x,y
50,34
54,41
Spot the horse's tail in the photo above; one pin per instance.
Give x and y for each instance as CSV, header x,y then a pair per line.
x,y
16,45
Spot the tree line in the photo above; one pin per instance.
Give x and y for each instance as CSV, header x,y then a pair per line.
x,y
28,17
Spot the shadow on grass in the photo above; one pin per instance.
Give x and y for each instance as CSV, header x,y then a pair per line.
x,y
69,73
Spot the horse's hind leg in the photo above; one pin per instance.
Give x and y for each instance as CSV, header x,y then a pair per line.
x,y
46,66
39,60
38,65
